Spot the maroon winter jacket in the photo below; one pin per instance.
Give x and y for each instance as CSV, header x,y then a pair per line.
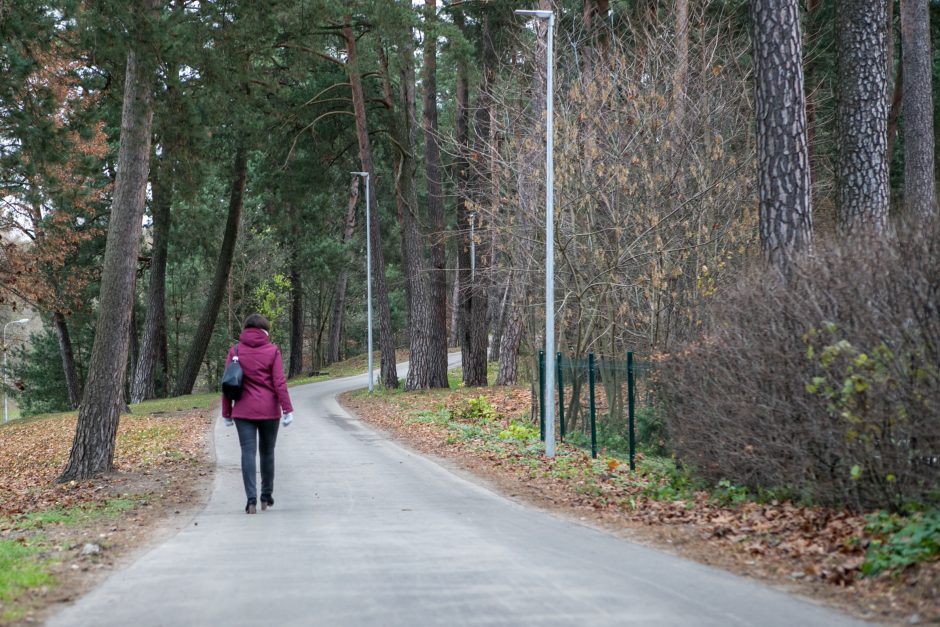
x,y
264,388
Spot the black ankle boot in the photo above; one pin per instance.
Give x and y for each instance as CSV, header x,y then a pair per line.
x,y
250,508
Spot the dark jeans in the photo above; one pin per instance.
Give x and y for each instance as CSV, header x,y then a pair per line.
x,y
255,435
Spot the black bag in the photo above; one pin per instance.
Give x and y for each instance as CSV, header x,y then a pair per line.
x,y
232,379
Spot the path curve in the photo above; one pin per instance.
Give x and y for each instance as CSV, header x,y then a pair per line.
x,y
367,533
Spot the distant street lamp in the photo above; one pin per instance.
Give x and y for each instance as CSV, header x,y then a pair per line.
x,y
365,175
549,399
6,408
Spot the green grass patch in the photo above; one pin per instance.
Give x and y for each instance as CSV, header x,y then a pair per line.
x,y
175,404
347,368
72,516
21,570
439,417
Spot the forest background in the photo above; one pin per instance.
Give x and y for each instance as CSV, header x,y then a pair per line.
x,y
780,271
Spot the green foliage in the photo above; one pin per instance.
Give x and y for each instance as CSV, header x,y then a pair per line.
x,y
272,298
667,481
477,410
901,541
520,432
651,436
728,494
39,381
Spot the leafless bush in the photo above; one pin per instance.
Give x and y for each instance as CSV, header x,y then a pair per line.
x,y
826,381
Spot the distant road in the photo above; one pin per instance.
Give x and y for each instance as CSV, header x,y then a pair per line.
x,y
366,533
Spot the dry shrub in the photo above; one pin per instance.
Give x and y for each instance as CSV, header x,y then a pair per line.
x,y
826,382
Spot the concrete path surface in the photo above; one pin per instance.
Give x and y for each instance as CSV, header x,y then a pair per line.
x,y
365,532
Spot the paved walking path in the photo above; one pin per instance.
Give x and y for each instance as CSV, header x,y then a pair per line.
x,y
367,533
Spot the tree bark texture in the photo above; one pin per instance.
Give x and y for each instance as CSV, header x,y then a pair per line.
x,y
95,434
474,300
197,352
861,115
339,295
784,187
438,268
403,126
453,335
516,306
461,176
389,372
153,336
499,319
920,198
72,381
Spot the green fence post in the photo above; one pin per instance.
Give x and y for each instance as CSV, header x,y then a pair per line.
x,y
542,395
631,386
561,398
593,412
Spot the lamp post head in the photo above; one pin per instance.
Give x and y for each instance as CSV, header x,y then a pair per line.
x,y
360,173
540,14
22,321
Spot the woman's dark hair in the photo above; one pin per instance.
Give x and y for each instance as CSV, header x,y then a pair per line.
x,y
257,321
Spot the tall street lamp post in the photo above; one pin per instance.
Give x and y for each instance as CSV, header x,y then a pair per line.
x,y
365,175
549,400
6,404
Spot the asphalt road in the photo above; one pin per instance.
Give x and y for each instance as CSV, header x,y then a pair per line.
x,y
365,532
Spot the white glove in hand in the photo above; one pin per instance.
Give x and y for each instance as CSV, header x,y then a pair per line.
x,y
228,422
287,419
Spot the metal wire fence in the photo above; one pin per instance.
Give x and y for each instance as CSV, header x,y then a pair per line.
x,y
592,395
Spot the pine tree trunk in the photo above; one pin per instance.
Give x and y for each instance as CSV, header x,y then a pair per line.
x,y
437,376
453,335
339,296
186,378
133,350
403,124
512,335
98,416
462,176
861,115
920,197
499,319
782,154
389,372
72,381
474,303
153,337
296,365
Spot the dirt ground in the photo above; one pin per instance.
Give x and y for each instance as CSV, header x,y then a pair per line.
x,y
822,575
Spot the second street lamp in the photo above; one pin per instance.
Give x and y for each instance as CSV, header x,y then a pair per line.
x,y
549,399
365,175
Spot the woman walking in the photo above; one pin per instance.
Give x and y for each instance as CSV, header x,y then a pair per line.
x,y
257,413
